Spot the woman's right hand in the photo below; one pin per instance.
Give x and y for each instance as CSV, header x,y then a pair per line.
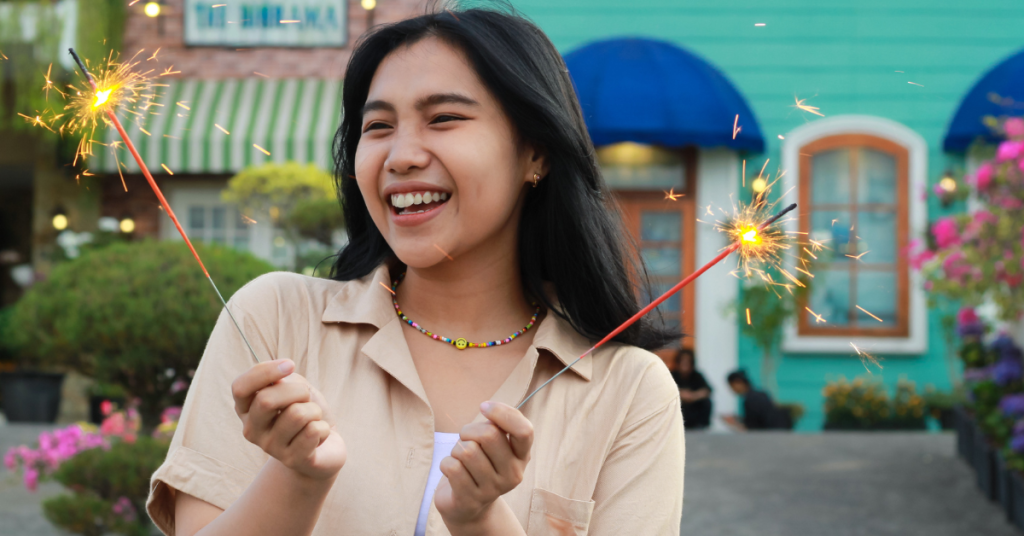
x,y
289,419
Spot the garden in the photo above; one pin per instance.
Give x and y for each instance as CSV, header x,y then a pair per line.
x,y
976,259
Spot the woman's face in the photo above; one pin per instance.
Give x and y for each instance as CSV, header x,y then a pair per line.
x,y
438,163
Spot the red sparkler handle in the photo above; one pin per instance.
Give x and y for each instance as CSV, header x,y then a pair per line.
x,y
152,184
679,286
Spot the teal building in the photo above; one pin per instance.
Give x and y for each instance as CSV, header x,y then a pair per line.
x,y
852,101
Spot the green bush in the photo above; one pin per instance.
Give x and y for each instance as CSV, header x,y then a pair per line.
x,y
109,488
133,314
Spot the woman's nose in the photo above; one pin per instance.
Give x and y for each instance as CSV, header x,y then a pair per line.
x,y
407,153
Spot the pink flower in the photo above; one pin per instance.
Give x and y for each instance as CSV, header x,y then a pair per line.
x,y
1010,150
178,386
983,177
171,414
106,407
11,459
1014,127
113,425
966,316
946,232
31,479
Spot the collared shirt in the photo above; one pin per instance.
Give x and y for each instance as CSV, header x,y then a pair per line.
x,y
608,450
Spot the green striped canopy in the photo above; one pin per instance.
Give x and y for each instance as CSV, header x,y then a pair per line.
x,y
294,119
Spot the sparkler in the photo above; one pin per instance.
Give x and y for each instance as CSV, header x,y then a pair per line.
x,y
747,240
89,110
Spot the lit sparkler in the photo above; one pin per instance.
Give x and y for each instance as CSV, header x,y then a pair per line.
x,y
108,104
745,241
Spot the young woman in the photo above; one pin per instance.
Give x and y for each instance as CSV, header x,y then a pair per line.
x,y
484,255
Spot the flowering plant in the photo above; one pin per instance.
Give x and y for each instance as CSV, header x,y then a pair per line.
x,y
106,467
979,256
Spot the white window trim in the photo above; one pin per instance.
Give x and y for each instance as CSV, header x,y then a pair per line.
x,y
917,340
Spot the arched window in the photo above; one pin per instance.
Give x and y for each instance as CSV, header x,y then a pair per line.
x,y
853,194
858,181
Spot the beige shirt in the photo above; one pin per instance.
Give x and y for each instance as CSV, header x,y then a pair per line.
x,y
608,449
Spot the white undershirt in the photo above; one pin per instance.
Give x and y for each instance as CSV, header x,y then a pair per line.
x,y
443,445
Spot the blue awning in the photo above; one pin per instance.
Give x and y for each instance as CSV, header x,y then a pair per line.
x,y
999,93
647,91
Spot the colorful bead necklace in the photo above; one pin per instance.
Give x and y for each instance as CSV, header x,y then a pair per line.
x,y
460,343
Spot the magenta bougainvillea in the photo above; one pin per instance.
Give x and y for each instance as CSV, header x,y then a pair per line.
x,y
978,256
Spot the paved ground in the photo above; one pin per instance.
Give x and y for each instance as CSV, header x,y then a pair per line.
x,y
834,484
757,484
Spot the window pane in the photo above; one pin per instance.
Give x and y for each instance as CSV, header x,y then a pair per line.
x,y
219,224
660,226
241,231
830,182
196,220
876,293
662,261
830,297
877,232
670,305
832,229
876,177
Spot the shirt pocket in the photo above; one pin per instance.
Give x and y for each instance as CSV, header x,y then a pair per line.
x,y
554,515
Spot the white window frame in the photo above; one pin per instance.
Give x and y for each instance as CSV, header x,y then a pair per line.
x,y
185,193
916,342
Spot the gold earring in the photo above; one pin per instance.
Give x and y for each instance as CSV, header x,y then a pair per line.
x,y
536,177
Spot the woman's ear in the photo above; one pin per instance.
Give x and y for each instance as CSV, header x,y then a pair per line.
x,y
538,162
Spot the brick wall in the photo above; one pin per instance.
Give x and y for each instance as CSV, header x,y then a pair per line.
x,y
167,33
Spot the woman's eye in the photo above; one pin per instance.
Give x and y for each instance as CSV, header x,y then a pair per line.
x,y
373,126
446,118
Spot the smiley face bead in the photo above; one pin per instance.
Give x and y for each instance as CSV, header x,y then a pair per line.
x,y
461,343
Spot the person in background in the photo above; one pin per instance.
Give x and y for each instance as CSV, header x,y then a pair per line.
x,y
694,391
759,412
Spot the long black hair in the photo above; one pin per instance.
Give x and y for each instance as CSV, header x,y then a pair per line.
x,y
570,232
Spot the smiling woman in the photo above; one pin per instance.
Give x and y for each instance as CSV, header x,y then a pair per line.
x,y
472,197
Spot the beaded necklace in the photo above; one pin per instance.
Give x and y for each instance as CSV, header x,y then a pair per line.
x,y
460,343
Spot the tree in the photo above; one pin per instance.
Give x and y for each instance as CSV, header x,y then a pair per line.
x,y
133,314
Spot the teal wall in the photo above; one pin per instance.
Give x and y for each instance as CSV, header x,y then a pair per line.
x,y
842,56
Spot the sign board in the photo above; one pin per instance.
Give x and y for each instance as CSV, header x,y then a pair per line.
x,y
266,23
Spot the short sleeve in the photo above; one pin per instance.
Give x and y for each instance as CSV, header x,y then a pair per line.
x,y
208,456
640,487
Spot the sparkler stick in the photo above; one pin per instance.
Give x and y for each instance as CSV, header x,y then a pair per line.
x,y
100,98
679,286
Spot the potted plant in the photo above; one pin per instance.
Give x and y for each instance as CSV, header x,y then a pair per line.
x,y
137,315
31,387
940,405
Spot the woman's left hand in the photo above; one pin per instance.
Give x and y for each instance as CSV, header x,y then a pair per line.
x,y
484,465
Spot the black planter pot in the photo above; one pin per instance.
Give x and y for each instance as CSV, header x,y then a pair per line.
x,y
964,435
985,465
947,419
1017,499
31,396
1004,487
96,412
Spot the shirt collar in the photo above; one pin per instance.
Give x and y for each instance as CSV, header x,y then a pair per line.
x,y
363,301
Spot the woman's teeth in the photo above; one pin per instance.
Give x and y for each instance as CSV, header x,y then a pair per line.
x,y
402,201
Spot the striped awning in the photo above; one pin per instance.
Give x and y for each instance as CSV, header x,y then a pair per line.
x,y
214,126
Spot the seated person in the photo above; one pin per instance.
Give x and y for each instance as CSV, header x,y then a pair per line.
x,y
694,391
759,412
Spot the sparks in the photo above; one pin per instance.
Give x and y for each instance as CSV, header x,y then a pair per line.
x,y
817,317
671,195
759,24
858,256
387,288
748,316
153,57
261,149
443,251
183,106
247,220
915,83
869,314
807,108
167,169
260,74
169,71
222,129
290,21
865,357
735,126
